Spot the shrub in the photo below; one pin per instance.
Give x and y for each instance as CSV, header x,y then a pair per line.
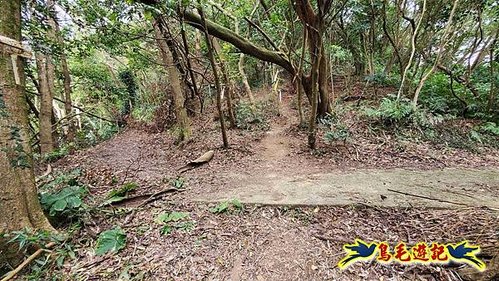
x,y
392,111
381,79
490,128
175,221
335,129
56,154
250,117
62,197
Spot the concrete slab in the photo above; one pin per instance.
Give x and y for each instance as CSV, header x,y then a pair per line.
x,y
445,188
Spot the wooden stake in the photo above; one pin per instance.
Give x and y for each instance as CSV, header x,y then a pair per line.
x,y
13,58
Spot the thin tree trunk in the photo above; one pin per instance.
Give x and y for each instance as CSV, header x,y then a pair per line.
x,y
211,57
228,84
190,69
46,142
65,71
298,76
314,104
413,51
439,55
19,203
244,78
183,122
493,86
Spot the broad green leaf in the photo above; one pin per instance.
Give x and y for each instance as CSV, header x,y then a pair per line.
x,y
111,240
74,202
60,205
220,208
173,216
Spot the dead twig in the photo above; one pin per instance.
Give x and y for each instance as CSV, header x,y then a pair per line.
x,y
429,198
158,195
13,273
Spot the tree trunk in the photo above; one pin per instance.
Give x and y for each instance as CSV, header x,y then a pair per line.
x,y
211,57
46,141
183,122
65,72
190,69
314,23
493,86
229,86
315,85
443,42
403,88
244,78
19,203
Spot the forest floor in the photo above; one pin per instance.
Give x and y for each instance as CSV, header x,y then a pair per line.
x,y
300,208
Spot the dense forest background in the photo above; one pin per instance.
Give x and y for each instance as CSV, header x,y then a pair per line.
x,y
111,63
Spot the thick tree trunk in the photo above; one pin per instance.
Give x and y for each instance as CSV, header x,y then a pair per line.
x,y
19,203
183,122
315,85
314,23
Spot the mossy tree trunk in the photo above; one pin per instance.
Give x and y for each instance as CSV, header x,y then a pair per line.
x,y
19,203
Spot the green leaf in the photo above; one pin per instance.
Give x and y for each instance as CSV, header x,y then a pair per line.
x,y
60,205
220,208
74,202
173,216
111,240
237,204
186,226
123,190
165,230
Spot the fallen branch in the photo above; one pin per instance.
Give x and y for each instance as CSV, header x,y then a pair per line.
x,y
205,158
158,194
13,273
429,198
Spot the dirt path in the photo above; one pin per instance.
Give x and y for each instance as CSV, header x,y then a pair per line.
x,y
279,182
277,170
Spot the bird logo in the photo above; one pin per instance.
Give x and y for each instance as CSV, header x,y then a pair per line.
x,y
466,253
358,251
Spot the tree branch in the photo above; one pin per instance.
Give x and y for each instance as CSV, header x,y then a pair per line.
x,y
238,41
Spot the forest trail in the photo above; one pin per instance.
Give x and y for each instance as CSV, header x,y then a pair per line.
x,y
275,146
277,171
279,182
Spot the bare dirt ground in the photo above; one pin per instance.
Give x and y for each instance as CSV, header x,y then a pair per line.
x,y
283,242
